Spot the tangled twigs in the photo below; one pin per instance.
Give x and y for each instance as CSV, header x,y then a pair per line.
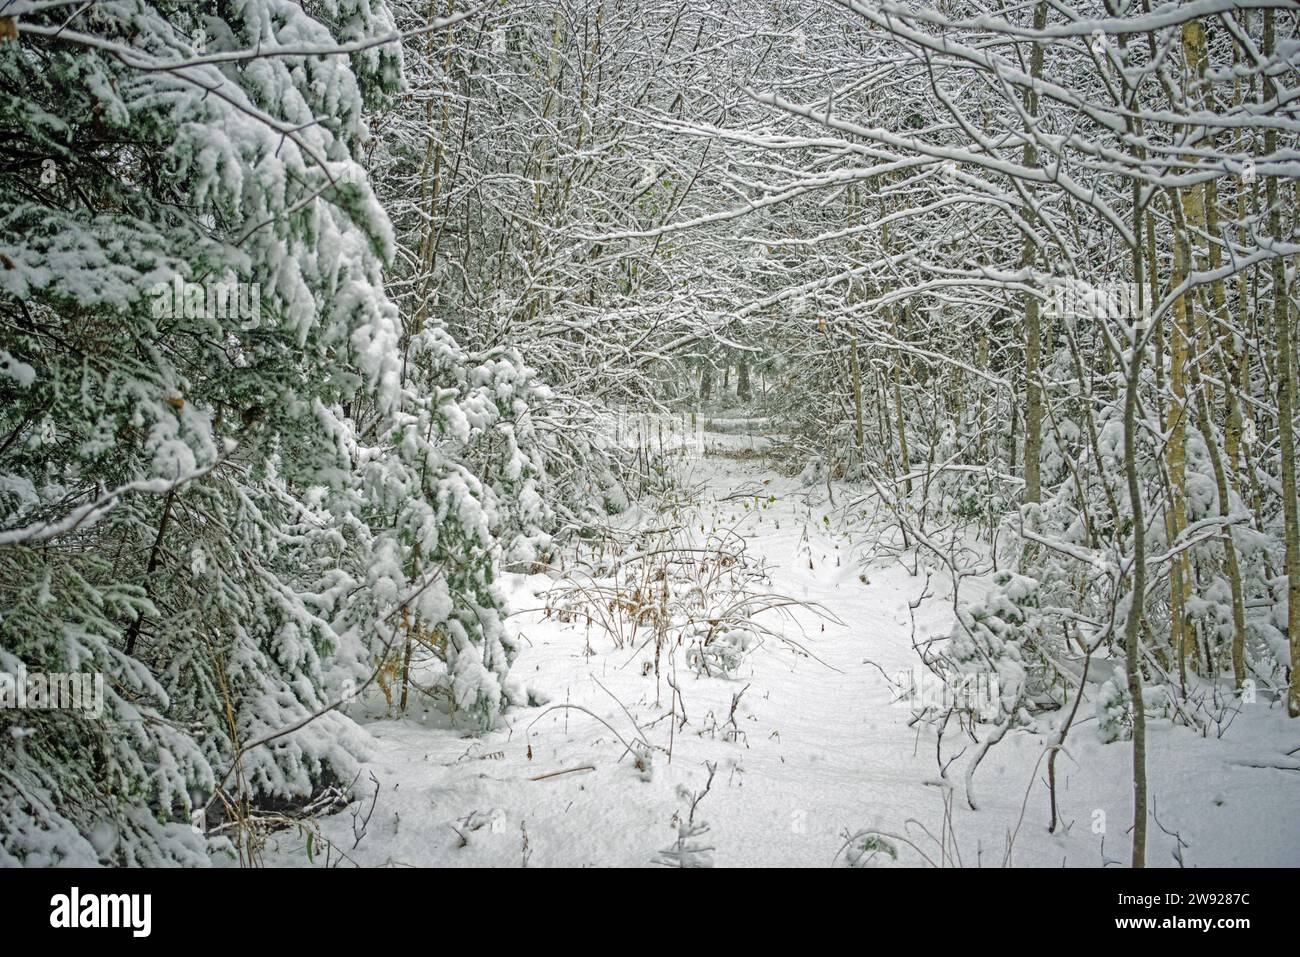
x,y
707,597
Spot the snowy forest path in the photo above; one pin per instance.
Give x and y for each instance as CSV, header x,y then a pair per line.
x,y
808,739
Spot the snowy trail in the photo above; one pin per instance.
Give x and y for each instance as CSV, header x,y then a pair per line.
x,y
820,747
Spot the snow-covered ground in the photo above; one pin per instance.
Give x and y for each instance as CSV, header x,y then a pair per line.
x,y
817,747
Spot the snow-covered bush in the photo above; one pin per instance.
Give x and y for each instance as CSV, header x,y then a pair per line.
x,y
999,638
1114,709
222,486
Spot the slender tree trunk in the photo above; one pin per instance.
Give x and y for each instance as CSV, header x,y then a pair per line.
x,y
133,633
856,372
1033,332
1132,624
1186,207
1208,225
1285,401
1033,403
1230,565
903,458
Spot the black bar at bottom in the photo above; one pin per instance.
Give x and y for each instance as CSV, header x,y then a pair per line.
x,y
351,906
